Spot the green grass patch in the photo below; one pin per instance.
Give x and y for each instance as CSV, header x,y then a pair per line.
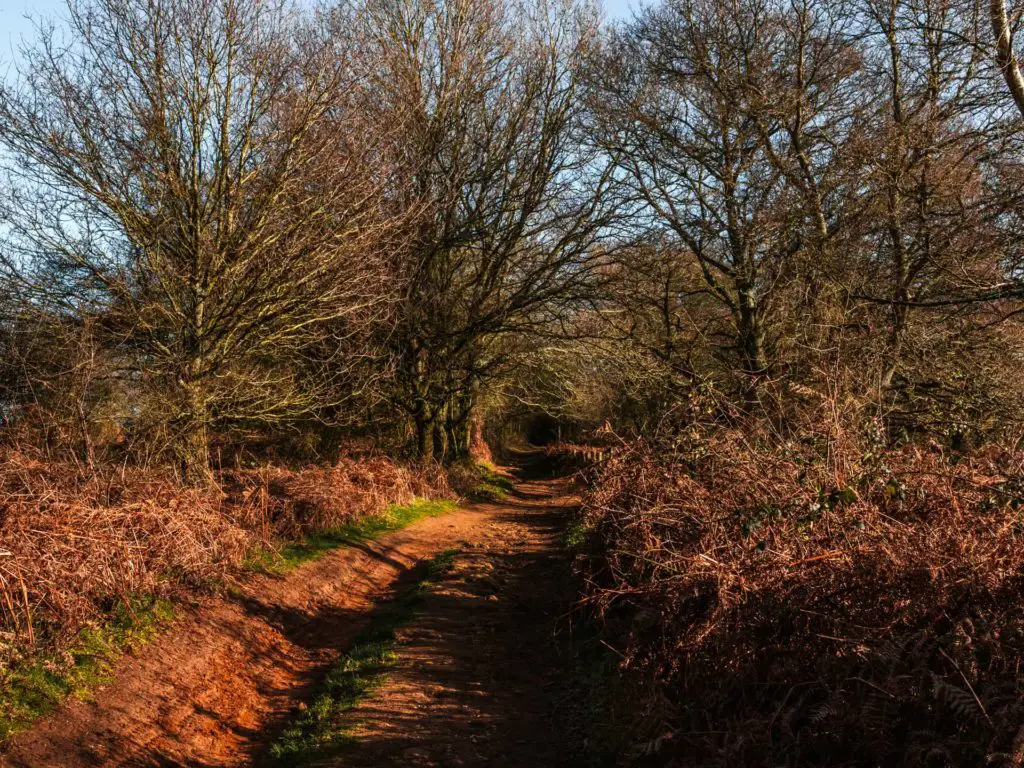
x,y
36,686
578,538
490,484
439,567
318,731
316,545
596,706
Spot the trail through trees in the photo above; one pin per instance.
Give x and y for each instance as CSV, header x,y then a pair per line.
x,y
473,683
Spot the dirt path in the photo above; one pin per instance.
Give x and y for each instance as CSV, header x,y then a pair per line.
x,y
472,685
478,677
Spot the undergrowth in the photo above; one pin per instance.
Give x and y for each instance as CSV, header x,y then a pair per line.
x,y
35,686
595,695
480,481
320,729
316,545
816,597
74,543
579,538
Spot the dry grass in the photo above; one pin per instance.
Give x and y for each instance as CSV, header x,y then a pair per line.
x,y
287,503
76,545
816,598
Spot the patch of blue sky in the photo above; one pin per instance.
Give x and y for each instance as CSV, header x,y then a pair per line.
x,y
19,17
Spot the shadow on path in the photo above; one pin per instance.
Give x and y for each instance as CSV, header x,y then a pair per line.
x,y
477,682
480,679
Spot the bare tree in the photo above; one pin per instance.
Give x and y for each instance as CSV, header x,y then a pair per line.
x,y
931,229
728,123
485,93
184,169
1005,55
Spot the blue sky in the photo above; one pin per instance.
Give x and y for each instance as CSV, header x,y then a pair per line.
x,y
12,22
13,25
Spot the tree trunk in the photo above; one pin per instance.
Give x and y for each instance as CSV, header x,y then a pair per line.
x,y
424,434
894,343
1005,56
193,442
458,424
438,434
440,440
751,337
458,438
83,425
194,454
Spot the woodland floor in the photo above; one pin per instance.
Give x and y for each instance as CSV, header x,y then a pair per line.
x,y
480,676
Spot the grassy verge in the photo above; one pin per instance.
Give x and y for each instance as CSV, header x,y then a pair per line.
x,y
319,731
596,707
578,539
36,687
490,484
316,545
597,700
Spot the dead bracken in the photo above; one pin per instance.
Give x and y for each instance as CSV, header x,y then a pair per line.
x,y
811,599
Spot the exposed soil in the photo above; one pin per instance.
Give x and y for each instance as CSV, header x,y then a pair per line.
x,y
474,684
478,681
